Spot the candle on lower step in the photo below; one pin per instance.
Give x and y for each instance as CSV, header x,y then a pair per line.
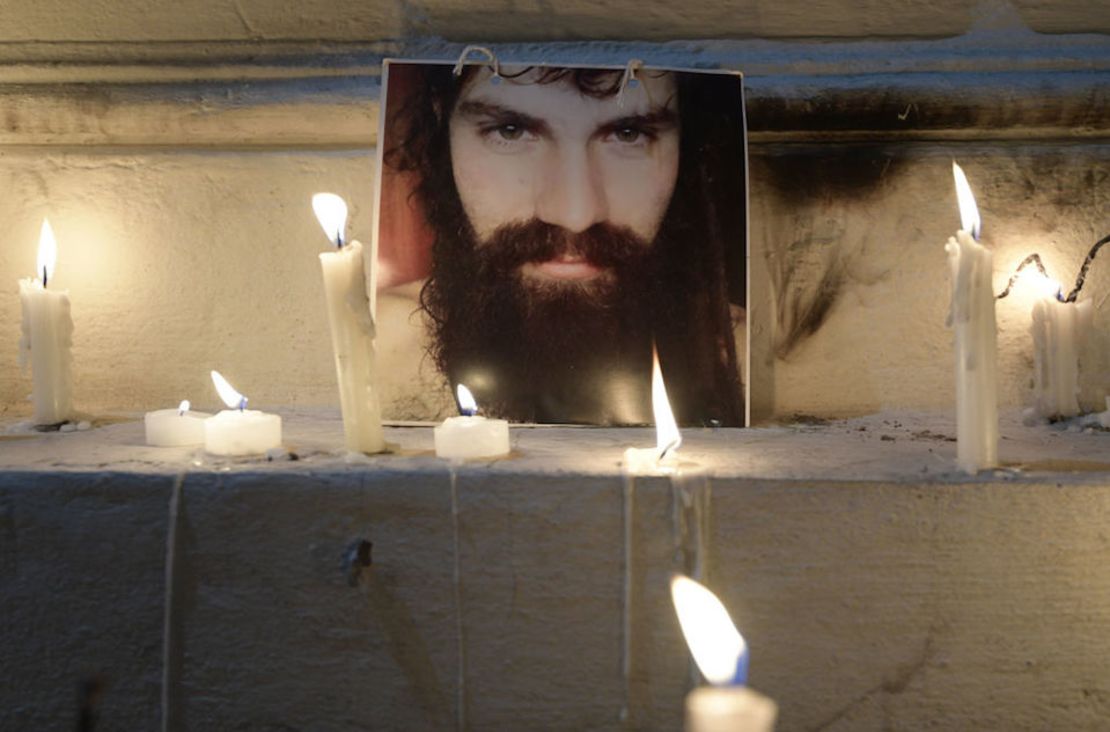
x,y
972,317
352,329
238,430
1059,329
721,655
469,436
47,335
175,427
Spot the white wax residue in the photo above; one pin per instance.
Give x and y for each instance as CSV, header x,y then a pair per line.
x,y
460,650
628,494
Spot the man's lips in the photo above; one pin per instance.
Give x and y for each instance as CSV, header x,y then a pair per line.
x,y
564,267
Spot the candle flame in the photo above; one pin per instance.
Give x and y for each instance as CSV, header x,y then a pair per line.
x,y
467,405
184,406
713,639
331,212
48,252
230,397
1043,285
969,212
667,436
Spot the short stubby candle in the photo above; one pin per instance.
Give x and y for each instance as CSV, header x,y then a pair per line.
x,y
175,427
47,335
470,436
238,430
1059,329
729,709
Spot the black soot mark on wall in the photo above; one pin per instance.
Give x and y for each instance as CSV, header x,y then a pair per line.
x,y
809,259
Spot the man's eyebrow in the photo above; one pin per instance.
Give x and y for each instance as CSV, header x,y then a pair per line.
x,y
657,117
478,108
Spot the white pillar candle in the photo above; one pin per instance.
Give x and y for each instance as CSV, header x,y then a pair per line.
x,y
238,430
175,427
729,709
47,335
352,329
1059,329
972,317
470,436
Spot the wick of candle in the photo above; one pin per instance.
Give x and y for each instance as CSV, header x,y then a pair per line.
x,y
468,411
242,403
44,278
339,240
668,447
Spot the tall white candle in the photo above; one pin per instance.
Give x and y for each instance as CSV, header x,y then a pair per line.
x,y
238,430
1059,329
352,329
972,317
47,335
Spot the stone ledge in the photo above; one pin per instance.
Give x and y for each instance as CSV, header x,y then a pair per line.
x,y
887,599
984,85
909,447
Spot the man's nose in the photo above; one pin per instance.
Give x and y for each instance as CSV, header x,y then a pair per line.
x,y
571,193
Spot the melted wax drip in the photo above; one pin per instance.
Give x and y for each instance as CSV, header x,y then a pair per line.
x,y
460,686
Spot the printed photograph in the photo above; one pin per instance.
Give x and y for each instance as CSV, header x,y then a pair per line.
x,y
542,229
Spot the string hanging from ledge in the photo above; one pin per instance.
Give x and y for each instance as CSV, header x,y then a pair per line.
x,y
1035,260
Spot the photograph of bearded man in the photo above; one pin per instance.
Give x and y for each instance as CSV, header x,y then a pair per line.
x,y
540,229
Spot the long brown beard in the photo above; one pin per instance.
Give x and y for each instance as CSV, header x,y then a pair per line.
x,y
545,350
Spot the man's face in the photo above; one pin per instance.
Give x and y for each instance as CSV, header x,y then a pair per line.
x,y
524,152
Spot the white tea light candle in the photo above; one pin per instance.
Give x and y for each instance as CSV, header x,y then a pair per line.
x,y
470,436
972,316
47,336
352,329
238,430
175,427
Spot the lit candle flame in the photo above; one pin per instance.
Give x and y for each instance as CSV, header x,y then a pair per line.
x,y
184,406
48,252
230,397
331,212
467,405
716,645
667,436
969,212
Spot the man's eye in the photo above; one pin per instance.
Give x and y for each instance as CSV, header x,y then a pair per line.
x,y
628,135
510,132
